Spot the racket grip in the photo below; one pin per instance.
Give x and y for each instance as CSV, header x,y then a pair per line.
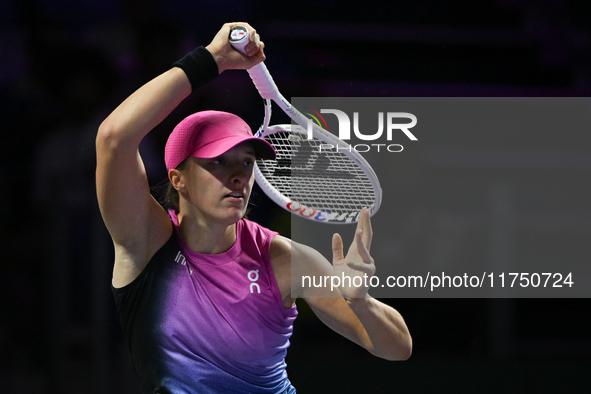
x,y
259,74
263,81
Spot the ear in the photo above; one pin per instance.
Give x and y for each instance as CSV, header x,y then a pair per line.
x,y
177,180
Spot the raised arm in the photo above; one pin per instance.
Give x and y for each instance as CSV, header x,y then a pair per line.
x,y
137,223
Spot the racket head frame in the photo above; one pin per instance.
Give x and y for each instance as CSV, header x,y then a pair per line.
x,y
314,213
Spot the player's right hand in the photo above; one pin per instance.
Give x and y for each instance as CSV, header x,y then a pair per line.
x,y
227,57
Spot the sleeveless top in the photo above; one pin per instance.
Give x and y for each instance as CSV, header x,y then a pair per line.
x,y
199,323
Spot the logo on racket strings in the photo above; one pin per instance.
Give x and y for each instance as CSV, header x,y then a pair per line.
x,y
322,216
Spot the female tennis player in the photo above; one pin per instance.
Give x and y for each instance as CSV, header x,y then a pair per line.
x,y
203,294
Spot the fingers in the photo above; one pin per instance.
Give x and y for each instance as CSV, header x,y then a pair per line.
x,y
361,247
254,44
367,265
337,248
227,57
364,224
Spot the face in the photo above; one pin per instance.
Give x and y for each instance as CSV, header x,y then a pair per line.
x,y
218,189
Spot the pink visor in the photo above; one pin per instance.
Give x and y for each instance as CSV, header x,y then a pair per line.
x,y
209,134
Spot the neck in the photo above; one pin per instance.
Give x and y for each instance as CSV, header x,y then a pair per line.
x,y
203,237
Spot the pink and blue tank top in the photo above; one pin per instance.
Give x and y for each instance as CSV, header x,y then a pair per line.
x,y
198,323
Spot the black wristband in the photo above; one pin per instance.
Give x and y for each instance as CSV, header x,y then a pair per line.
x,y
200,67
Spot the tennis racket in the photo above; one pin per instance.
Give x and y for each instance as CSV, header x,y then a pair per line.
x,y
315,175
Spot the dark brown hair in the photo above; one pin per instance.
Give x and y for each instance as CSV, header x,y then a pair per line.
x,y
166,194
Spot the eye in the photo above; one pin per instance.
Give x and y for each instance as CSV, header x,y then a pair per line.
x,y
248,162
219,161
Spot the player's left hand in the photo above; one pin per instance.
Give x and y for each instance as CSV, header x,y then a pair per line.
x,y
357,263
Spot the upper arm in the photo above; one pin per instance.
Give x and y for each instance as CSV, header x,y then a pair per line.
x,y
280,256
138,225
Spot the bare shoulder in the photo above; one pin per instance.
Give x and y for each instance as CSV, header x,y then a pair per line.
x,y
280,256
286,251
292,261
280,248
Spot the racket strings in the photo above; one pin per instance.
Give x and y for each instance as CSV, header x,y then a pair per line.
x,y
310,173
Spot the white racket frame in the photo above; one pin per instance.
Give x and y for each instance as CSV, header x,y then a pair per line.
x,y
268,90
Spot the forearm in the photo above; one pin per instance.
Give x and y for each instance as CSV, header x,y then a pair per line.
x,y
146,107
385,327
154,101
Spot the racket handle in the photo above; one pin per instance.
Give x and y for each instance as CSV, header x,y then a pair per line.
x,y
259,74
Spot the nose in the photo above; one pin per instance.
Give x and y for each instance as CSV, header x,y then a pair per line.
x,y
239,174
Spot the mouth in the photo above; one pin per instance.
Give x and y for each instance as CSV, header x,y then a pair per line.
x,y
237,195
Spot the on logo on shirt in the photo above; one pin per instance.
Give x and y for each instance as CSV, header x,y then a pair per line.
x,y
253,276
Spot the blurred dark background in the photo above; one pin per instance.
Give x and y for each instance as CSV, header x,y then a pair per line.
x,y
65,64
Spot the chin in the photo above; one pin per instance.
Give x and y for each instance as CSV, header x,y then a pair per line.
x,y
234,216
